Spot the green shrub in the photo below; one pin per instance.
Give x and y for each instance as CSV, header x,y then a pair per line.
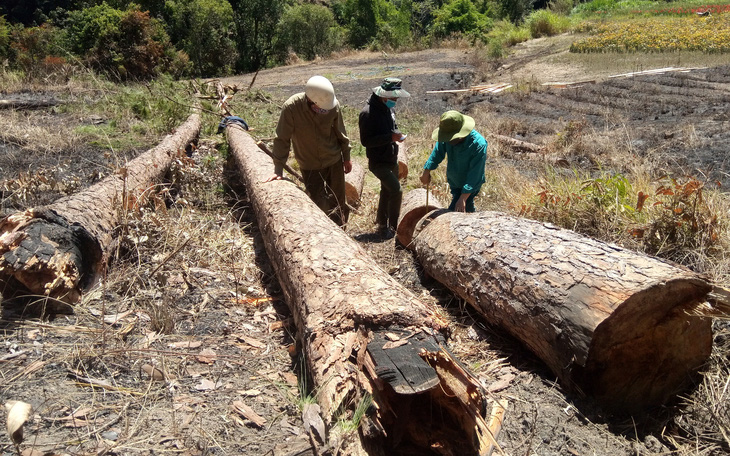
x,y
30,47
460,17
4,37
546,23
308,30
515,10
202,28
122,44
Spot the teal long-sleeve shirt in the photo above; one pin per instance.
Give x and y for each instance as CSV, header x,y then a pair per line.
x,y
466,162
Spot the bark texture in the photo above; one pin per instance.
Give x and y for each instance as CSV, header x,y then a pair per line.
x,y
354,182
402,161
60,249
361,332
412,209
607,321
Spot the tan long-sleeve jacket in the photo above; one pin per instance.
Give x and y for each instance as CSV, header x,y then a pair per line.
x,y
318,140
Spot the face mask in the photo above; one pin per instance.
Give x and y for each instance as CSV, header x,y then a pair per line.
x,y
390,103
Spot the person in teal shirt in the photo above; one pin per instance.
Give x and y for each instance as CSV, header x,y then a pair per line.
x,y
466,153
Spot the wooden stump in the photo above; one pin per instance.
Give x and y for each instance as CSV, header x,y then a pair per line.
x,y
402,162
607,321
361,332
413,208
59,250
354,181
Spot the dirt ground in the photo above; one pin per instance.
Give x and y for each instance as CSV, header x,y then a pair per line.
x,y
186,348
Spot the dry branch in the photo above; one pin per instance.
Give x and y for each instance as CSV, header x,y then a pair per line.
x,y
60,250
361,332
607,321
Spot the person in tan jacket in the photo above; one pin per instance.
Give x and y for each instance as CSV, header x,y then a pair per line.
x,y
311,124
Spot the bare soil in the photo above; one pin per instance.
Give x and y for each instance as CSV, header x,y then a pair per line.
x,y
191,293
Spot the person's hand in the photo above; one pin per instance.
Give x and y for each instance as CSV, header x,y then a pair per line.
x,y
396,137
461,202
426,177
347,166
274,177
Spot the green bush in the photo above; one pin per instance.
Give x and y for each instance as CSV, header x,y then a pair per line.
x,y
308,30
546,23
122,44
32,47
4,37
460,17
203,29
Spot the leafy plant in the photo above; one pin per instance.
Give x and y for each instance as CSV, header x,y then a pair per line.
x,y
460,17
308,30
546,23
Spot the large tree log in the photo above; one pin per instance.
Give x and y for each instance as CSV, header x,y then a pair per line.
x,y
605,320
361,332
415,205
60,249
354,182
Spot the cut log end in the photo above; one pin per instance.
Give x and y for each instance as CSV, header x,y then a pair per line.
x,y
425,398
650,348
416,204
42,255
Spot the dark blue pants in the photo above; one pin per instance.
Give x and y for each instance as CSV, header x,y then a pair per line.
x,y
456,194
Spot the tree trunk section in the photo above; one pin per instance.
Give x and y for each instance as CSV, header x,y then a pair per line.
x,y
402,161
361,332
354,182
517,144
416,204
607,321
61,249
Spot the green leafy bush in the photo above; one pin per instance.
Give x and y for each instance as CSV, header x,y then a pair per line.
x,y
31,47
308,30
122,44
460,17
203,29
4,37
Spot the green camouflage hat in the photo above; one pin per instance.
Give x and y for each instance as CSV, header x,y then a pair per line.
x,y
391,88
453,125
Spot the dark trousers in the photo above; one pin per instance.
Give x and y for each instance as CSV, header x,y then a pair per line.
x,y
391,194
326,187
469,204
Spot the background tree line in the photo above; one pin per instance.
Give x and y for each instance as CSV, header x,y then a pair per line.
x,y
202,38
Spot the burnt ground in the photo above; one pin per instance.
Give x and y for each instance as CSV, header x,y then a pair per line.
x,y
191,292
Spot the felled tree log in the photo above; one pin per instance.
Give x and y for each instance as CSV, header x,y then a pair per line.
x,y
607,321
415,205
354,182
362,333
402,161
27,104
59,250
517,144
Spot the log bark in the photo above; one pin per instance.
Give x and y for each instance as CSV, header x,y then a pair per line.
x,y
607,321
27,104
362,333
59,250
416,204
517,144
354,182
402,161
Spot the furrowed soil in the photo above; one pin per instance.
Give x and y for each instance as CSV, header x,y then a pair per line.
x,y
186,346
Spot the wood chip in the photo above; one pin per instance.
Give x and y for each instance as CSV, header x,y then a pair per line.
x,y
186,344
207,356
251,341
248,413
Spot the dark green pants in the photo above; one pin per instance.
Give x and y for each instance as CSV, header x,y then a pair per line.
x,y
326,187
391,194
